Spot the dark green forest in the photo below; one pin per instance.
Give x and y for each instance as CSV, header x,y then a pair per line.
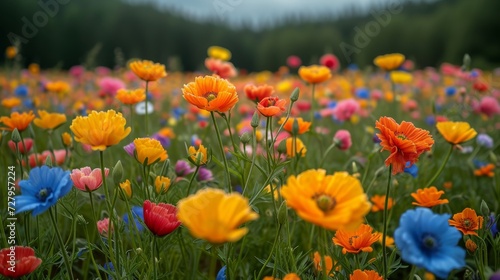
x,y
62,33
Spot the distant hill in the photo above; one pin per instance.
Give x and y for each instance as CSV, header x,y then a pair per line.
x,y
62,33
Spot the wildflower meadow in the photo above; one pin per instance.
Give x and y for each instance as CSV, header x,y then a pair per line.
x,y
314,171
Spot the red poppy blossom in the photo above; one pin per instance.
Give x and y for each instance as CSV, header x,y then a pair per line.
x,y
161,219
18,262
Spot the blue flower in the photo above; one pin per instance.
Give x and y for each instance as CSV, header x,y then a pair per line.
x,y
412,170
450,91
493,225
222,274
43,188
21,91
138,216
484,140
427,240
362,93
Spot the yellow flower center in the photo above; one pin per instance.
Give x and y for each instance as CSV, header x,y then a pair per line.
x,y
401,136
467,223
325,202
210,95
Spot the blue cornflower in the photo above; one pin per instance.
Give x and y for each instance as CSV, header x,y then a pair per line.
x,y
43,188
493,225
484,140
430,120
21,91
450,91
412,170
362,93
427,240
222,274
138,216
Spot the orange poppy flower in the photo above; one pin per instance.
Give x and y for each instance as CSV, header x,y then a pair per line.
x,y
17,120
468,222
428,197
379,203
318,263
59,87
147,70
11,52
359,274
271,106
389,61
291,276
131,97
486,170
211,94
11,102
303,125
405,142
358,241
257,93
315,74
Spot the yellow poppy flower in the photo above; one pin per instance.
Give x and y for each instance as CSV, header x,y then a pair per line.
x,y
198,156
127,188
147,70
331,201
215,216
66,139
456,132
299,148
314,74
100,129
219,53
401,77
149,151
49,120
389,61
162,184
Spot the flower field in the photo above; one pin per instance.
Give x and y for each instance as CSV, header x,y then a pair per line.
x,y
308,172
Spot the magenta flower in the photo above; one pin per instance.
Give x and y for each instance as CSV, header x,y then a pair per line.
x,y
345,109
103,227
86,179
342,139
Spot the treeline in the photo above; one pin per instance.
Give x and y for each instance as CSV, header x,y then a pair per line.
x,y
62,33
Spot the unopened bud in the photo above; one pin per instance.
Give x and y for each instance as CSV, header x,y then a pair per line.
x,y
80,219
48,161
118,172
471,246
282,147
16,137
295,127
255,120
485,210
295,95
245,137
466,62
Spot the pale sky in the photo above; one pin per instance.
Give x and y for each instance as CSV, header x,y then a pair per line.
x,y
263,12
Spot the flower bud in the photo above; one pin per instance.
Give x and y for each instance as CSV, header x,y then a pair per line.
x,y
485,210
255,120
282,147
245,138
471,246
16,137
48,161
295,127
118,172
466,62
295,95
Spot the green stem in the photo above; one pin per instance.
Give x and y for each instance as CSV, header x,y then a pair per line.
x,y
61,244
192,179
313,103
147,123
228,122
440,168
213,263
254,155
289,237
412,272
226,166
384,233
326,153
324,252
153,248
259,276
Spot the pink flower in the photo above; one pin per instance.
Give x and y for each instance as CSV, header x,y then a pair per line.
x,y
293,61
410,105
221,68
102,71
77,71
86,179
103,227
343,139
331,61
345,109
449,69
109,86
377,94
488,106
23,149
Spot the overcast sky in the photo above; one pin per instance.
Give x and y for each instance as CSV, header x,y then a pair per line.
x,y
262,12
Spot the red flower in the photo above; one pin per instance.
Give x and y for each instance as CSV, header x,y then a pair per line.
x,y
257,93
271,106
18,261
23,149
161,218
331,61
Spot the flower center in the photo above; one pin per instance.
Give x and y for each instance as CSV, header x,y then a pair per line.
x,y
43,193
325,202
467,223
429,242
401,136
351,239
210,95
